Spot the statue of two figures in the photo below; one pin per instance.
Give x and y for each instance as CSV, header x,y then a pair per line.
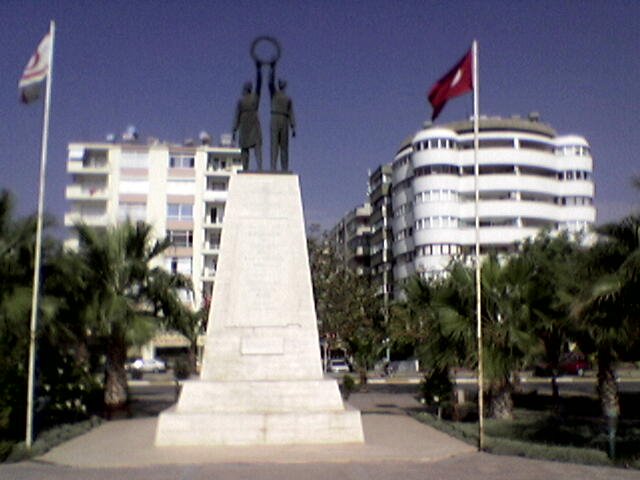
x,y
246,126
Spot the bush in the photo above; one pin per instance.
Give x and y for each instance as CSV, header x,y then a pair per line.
x,y
16,452
182,368
437,391
348,386
5,449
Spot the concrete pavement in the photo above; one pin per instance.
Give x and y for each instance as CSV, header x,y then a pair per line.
x,y
396,446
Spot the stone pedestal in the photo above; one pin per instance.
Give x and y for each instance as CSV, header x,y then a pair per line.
x,y
261,380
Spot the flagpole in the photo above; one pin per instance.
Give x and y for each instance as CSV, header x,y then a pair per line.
x,y
476,174
38,248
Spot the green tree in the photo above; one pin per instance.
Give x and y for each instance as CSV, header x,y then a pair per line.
x,y
58,373
115,268
163,290
550,262
608,310
347,307
16,273
444,314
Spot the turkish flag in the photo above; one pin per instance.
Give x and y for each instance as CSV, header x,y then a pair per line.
x,y
458,81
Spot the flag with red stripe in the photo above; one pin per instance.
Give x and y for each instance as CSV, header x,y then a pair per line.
x,y
35,72
458,81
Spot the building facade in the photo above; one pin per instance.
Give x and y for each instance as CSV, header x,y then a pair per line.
x,y
181,191
530,178
350,239
380,240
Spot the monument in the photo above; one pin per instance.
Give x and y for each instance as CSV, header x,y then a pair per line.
x,y
246,125
261,380
281,119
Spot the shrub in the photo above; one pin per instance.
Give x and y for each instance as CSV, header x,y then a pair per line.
x,y
15,452
437,391
182,369
348,386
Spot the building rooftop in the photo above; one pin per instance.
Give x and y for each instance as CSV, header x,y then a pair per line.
x,y
531,124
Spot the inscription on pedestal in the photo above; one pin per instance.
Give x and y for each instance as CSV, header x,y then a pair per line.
x,y
262,346
262,298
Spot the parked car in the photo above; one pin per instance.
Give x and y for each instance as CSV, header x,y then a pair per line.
x,y
148,365
338,365
572,364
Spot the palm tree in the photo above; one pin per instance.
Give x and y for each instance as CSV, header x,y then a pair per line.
x,y
115,266
551,262
162,290
608,310
445,311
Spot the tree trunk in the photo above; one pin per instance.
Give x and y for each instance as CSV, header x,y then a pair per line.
x,y
608,393
115,386
555,391
362,373
500,400
607,386
193,357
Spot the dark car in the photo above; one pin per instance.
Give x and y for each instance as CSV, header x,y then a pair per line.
x,y
573,364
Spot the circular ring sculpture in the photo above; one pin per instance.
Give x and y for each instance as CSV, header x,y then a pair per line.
x,y
265,39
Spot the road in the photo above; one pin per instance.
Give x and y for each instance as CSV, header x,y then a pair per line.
x,y
383,402
567,384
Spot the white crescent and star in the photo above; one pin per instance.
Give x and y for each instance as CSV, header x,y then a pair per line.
x,y
456,78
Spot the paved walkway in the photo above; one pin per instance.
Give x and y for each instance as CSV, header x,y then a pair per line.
x,y
396,446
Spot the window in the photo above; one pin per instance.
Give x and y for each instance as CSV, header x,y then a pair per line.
x,y
401,161
534,145
181,265
138,186
94,158
496,143
216,185
181,186
579,150
538,171
180,238
133,211
181,161
435,143
134,159
180,211
437,170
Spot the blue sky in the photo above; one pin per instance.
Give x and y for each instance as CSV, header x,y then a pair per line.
x,y
358,72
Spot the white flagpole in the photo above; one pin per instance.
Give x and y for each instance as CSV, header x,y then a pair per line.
x,y
476,128
38,248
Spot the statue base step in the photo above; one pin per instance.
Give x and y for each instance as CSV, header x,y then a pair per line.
x,y
259,413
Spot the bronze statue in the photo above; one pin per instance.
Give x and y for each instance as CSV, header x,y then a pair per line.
x,y
247,122
281,119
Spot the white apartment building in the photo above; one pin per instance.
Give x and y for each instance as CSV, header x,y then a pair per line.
x,y
350,238
530,178
180,190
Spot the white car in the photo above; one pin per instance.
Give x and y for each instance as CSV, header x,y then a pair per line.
x,y
148,365
338,365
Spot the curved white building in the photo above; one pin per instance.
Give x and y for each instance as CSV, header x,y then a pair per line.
x,y
530,178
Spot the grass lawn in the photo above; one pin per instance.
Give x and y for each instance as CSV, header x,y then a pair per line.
x,y
575,433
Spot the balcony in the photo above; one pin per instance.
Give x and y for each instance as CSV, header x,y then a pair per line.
x,y
208,273
86,193
97,167
211,248
216,224
70,219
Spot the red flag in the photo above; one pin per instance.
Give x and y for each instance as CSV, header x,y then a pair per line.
x,y
458,81
35,72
